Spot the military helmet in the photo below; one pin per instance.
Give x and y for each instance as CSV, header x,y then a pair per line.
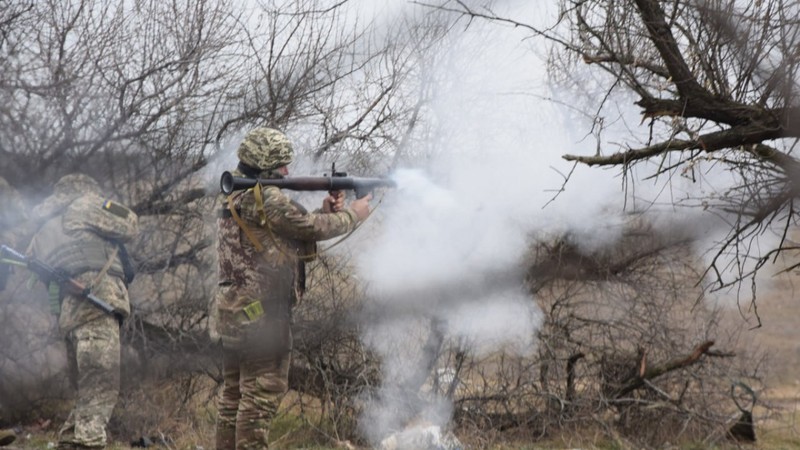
x,y
265,149
65,191
74,184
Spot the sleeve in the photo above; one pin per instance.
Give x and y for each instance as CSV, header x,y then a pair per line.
x,y
293,222
104,217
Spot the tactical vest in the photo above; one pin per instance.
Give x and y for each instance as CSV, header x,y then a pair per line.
x,y
75,251
272,275
233,254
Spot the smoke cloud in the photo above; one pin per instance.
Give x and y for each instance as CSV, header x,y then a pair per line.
x,y
445,264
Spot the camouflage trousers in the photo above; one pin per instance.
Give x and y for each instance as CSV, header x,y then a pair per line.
x,y
93,354
255,379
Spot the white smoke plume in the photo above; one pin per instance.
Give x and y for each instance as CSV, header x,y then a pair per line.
x,y
447,257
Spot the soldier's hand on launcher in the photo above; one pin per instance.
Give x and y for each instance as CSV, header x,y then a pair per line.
x,y
361,207
333,202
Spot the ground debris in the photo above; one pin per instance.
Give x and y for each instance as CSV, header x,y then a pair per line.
x,y
421,438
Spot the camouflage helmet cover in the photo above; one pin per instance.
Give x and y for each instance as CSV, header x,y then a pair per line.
x,y
265,149
75,184
66,190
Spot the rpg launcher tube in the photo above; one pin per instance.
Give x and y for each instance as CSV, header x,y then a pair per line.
x,y
362,186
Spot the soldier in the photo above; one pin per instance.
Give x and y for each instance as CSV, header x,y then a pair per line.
x,y
264,239
83,234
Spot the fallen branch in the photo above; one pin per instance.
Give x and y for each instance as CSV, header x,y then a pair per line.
x,y
647,372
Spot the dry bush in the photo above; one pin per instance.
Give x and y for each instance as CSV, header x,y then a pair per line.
x,y
175,410
331,368
628,348
625,352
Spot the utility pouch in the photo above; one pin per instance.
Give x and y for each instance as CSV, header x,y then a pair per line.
x,y
54,297
253,310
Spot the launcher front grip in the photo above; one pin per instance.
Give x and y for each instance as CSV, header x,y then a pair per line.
x,y
362,186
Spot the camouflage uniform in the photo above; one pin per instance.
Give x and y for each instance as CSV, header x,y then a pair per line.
x,y
257,288
81,234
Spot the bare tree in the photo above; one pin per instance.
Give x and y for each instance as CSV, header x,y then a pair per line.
x,y
86,78
714,82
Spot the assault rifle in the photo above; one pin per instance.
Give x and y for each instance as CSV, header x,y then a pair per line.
x,y
338,181
48,274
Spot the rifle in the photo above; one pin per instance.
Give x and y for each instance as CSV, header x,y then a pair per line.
x,y
48,274
338,181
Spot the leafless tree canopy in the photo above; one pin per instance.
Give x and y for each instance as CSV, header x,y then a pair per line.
x,y
714,82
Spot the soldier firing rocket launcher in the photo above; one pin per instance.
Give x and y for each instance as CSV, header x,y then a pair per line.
x,y
338,181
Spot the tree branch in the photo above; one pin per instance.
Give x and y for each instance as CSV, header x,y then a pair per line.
x,y
710,142
646,372
683,78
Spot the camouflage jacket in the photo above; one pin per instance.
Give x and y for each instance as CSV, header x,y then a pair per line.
x,y
81,236
287,234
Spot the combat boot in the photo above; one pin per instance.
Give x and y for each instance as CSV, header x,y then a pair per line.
x,y
7,437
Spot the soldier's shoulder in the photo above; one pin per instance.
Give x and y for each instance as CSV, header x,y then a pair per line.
x,y
87,200
101,215
94,201
269,195
276,196
244,199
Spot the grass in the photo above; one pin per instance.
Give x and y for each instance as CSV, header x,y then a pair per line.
x,y
290,431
